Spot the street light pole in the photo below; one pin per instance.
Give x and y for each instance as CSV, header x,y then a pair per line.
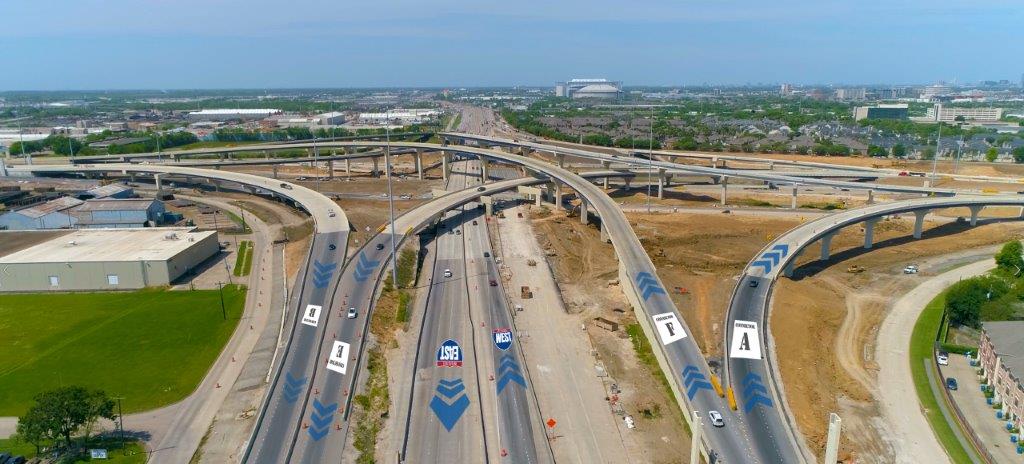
x,y
650,162
938,146
120,419
223,311
391,198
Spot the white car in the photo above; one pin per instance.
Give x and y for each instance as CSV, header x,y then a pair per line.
x,y
911,269
943,359
716,418
447,272
351,313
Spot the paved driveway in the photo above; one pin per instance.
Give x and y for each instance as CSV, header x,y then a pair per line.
x,y
979,414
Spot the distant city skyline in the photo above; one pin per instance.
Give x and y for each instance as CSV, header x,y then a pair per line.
x,y
123,44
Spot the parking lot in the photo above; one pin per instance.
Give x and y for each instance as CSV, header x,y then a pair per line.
x,y
980,414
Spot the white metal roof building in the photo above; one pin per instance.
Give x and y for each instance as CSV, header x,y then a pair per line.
x,y
231,114
107,259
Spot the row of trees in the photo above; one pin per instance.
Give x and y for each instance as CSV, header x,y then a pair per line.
x,y
994,297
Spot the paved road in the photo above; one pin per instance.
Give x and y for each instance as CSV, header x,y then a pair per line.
x,y
764,404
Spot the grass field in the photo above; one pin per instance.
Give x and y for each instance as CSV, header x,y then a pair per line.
x,y
922,342
151,347
133,452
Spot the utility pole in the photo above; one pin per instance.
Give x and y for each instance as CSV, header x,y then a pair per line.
x,y
391,198
120,420
938,145
223,311
650,162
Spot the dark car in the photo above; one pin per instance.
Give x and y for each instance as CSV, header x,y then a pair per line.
x,y
474,222
286,186
481,189
951,383
493,283
380,246
753,283
487,254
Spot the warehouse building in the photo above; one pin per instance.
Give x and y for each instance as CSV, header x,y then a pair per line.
x,y
111,214
107,259
54,214
108,191
232,114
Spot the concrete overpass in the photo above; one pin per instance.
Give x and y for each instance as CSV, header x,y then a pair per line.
x,y
747,339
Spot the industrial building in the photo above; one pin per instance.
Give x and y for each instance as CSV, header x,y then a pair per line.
x,y
950,114
589,88
72,213
118,213
1001,353
884,111
232,114
398,116
107,191
106,259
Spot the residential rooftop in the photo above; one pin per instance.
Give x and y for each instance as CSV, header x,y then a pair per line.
x,y
1008,340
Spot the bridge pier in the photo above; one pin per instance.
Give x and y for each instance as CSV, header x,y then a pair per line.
x,y
974,214
627,180
348,167
792,200
919,222
555,188
266,154
483,170
714,162
725,190
330,169
583,212
871,197
419,163
869,232
376,167
661,184
177,158
788,270
561,159
3,168
158,179
771,165
274,168
446,161
826,244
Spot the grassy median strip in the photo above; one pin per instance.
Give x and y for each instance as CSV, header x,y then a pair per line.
x,y
151,347
922,342
243,259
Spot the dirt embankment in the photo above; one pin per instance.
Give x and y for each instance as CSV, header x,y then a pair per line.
x,y
825,325
698,257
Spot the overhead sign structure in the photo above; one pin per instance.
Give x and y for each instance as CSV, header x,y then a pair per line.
x,y
745,342
338,361
311,316
502,338
449,354
669,328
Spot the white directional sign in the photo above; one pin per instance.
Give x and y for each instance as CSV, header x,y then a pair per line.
x,y
338,361
669,328
312,315
745,343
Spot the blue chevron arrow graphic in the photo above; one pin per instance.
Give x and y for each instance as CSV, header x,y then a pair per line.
x,y
508,371
292,387
364,267
322,273
316,433
648,285
774,256
767,265
694,381
782,247
450,392
755,392
324,408
321,267
321,421
321,418
449,414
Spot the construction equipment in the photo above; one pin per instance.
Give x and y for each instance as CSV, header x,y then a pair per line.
x,y
525,292
855,269
531,262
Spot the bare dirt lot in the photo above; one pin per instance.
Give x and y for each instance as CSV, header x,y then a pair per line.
x,y
825,324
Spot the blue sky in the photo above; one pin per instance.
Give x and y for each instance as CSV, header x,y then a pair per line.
x,y
116,44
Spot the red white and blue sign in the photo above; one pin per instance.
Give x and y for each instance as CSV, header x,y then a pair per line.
x,y
449,354
502,338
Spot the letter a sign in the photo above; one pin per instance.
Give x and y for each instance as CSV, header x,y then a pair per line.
x,y
745,342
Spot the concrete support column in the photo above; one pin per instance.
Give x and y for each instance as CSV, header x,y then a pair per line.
x,y
661,184
605,186
177,158
348,167
419,163
556,195
627,180
792,200
525,151
3,168
330,169
274,167
266,154
158,179
869,232
788,270
375,166
974,213
714,162
561,159
1021,212
220,156
445,164
919,222
771,165
538,199
725,190
826,245
871,197
483,170
668,180
583,212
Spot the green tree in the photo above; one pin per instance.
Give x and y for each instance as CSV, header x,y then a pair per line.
x,y
877,151
899,150
991,154
1018,154
1009,258
965,299
65,411
33,429
928,153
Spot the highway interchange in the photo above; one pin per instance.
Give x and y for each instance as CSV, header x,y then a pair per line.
x,y
304,416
